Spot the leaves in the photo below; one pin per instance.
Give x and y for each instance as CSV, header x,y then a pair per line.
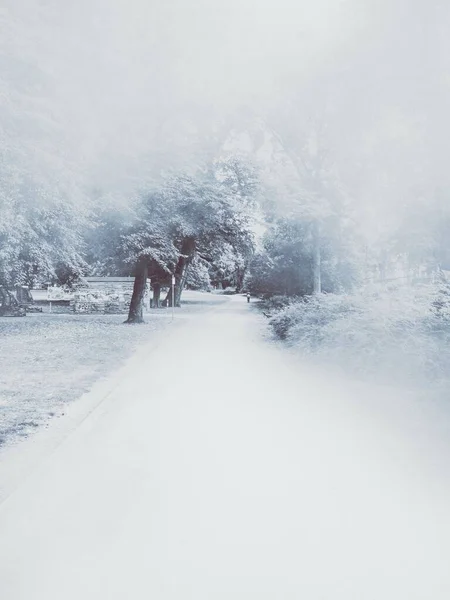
x,y
209,212
285,264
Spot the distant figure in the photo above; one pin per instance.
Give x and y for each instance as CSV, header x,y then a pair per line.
x,y
248,297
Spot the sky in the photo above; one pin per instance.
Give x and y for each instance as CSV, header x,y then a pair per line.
x,y
119,90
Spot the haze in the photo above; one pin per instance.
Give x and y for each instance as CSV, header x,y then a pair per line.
x,y
133,87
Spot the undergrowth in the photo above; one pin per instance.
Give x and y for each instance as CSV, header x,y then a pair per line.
x,y
391,333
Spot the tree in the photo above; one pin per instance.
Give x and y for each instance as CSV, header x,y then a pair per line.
x,y
228,268
318,196
37,238
300,173
243,179
285,266
198,277
43,205
286,263
213,217
184,219
147,244
423,233
136,312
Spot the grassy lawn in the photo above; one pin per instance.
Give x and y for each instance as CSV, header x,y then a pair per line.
x,y
48,360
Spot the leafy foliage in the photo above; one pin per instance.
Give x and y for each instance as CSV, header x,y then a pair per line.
x,y
203,220
393,333
198,277
42,193
37,240
285,264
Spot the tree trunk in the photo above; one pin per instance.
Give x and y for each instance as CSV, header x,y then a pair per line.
x,y
180,281
186,257
156,295
317,276
240,276
136,312
9,307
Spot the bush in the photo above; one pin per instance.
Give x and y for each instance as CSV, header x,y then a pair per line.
x,y
391,333
272,304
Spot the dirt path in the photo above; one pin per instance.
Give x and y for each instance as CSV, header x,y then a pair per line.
x,y
222,470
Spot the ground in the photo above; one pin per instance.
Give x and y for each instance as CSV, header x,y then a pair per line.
x,y
48,360
217,466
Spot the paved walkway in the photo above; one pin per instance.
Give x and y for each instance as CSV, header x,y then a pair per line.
x,y
223,470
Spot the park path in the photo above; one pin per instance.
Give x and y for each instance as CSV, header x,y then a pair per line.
x,y
221,469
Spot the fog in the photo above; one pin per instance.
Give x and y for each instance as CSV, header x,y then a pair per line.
x,y
100,98
120,90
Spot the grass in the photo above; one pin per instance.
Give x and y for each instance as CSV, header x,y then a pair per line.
x,y
48,360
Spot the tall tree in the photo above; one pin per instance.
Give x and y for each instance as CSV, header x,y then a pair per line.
x,y
201,216
285,265
43,204
147,244
213,215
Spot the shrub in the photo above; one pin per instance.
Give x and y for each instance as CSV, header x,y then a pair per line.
x,y
272,304
392,333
